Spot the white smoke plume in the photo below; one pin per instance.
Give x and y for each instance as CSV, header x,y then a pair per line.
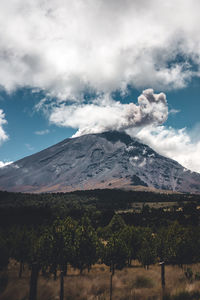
x,y
106,114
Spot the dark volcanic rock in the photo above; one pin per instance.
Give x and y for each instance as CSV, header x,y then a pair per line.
x,y
105,160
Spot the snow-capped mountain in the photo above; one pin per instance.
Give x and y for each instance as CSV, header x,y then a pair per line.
x,y
105,160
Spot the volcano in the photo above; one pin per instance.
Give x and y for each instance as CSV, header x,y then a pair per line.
x,y
104,160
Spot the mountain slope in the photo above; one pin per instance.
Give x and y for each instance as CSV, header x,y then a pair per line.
x,y
105,160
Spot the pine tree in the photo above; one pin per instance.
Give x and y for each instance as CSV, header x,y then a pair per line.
x,y
87,246
115,255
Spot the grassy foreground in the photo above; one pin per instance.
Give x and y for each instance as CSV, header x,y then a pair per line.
x,y
133,283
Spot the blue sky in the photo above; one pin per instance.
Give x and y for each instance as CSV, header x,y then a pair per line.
x,y
23,125
30,131
71,68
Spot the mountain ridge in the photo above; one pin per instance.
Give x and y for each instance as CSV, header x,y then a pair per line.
x,y
110,159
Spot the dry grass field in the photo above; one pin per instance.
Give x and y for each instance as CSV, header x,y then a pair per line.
x,y
134,283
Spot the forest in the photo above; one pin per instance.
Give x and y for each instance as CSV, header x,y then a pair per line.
x,y
46,239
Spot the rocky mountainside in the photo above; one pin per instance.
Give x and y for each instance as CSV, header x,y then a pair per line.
x,y
106,160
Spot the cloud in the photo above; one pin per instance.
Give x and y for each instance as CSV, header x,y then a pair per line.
x,y
29,147
42,132
142,120
181,145
174,111
68,47
3,135
106,114
3,164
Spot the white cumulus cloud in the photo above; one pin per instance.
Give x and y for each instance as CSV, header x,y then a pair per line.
x,y
65,47
3,135
69,49
42,132
178,144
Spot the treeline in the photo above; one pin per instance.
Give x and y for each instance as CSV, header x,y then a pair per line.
x,y
187,214
101,198
100,206
51,249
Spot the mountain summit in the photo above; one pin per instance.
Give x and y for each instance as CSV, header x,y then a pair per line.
x,y
105,160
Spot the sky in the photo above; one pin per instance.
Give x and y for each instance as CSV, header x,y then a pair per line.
x,y
69,68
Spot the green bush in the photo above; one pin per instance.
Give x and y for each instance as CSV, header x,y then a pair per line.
x,y
197,276
183,296
189,274
143,282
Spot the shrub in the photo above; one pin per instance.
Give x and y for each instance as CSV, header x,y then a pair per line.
x,y
189,274
183,296
143,282
197,276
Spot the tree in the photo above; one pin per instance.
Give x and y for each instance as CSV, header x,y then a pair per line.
x,y
58,248
87,246
147,253
133,237
116,224
177,245
25,248
20,245
115,255
4,253
34,259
